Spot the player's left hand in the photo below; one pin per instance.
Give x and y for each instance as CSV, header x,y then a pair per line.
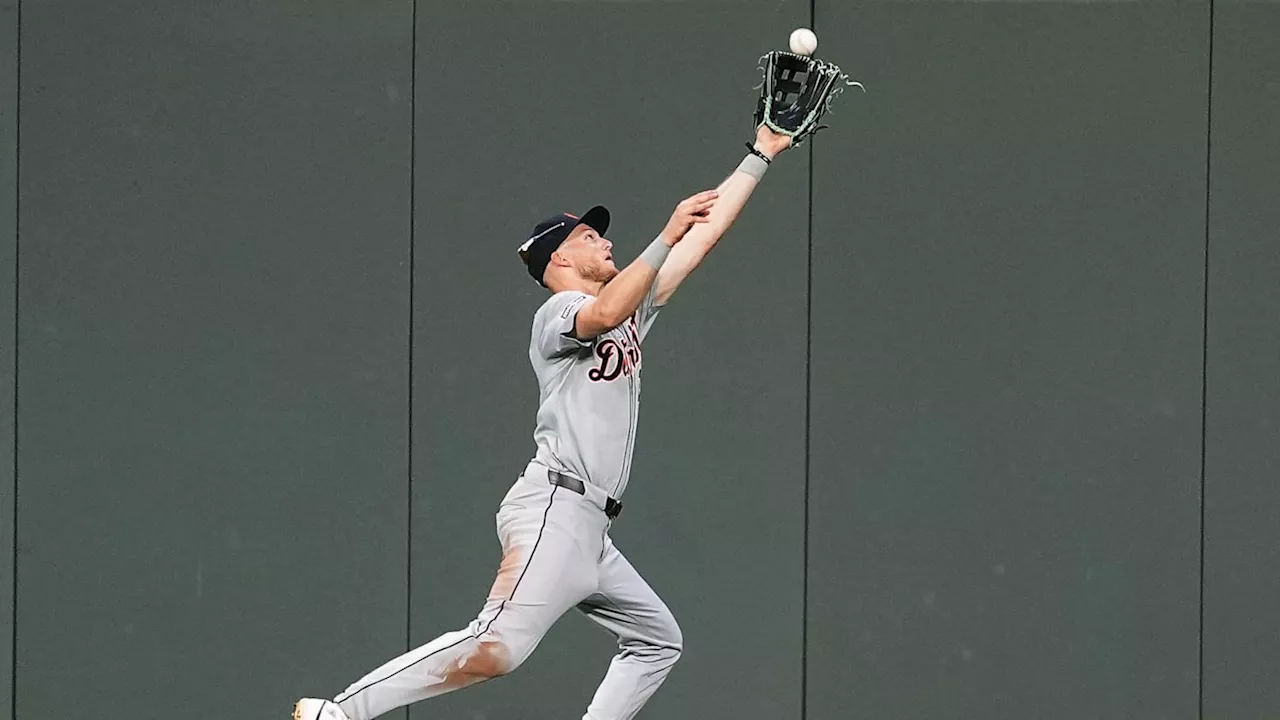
x,y
770,143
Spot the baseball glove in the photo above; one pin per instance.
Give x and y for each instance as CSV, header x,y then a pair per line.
x,y
797,91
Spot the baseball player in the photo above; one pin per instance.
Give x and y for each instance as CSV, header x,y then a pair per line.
x,y
554,522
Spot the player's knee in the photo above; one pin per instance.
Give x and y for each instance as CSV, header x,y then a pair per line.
x,y
670,632
670,642
512,656
670,655
488,660
676,639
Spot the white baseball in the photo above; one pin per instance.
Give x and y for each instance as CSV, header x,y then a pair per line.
x,y
803,41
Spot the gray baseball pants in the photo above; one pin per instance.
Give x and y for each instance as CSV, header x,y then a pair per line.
x,y
556,555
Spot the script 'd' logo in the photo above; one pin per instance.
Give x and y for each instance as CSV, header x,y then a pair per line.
x,y
617,356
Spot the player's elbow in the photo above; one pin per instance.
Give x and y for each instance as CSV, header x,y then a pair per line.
x,y
697,253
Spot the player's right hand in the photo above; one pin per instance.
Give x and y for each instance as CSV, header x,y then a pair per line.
x,y
691,211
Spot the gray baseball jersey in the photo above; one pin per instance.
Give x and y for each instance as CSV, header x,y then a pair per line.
x,y
589,398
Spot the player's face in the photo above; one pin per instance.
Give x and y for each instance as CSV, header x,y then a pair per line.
x,y
591,254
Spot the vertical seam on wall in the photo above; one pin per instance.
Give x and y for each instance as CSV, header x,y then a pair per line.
x,y
17,228
808,411
1204,357
413,158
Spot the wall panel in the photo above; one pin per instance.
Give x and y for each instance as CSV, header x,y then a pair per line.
x,y
1008,245
215,206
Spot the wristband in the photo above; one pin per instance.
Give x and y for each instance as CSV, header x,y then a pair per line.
x,y
754,165
656,253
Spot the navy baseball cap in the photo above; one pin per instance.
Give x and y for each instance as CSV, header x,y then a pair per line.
x,y
548,234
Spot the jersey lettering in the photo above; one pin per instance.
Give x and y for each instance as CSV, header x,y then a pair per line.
x,y
617,356
611,363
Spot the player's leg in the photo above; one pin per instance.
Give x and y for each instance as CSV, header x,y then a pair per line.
x,y
547,568
649,639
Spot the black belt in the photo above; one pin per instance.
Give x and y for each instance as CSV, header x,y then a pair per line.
x,y
612,508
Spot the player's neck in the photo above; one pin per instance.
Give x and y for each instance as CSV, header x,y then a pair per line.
x,y
581,284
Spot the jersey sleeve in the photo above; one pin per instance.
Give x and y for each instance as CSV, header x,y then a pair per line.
x,y
648,310
555,323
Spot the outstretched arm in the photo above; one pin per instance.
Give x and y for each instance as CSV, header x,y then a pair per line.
x,y
624,293
734,193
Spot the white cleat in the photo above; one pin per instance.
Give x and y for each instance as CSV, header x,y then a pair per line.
x,y
313,709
